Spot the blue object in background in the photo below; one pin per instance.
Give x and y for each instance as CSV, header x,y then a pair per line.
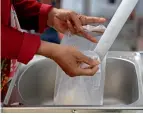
x,y
54,2
50,35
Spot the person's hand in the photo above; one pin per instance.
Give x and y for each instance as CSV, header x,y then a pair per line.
x,y
69,59
66,20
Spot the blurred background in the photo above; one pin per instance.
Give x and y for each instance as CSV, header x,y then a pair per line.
x,y
131,36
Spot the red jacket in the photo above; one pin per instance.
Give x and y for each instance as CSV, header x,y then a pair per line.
x,y
31,15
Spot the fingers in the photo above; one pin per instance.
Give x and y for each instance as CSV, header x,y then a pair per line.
x,y
71,27
90,20
93,66
83,20
76,21
87,60
87,36
88,72
81,33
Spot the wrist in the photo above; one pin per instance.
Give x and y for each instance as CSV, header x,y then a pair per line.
x,y
47,49
51,16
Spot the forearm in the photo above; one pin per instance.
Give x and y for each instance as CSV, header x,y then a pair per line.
x,y
15,44
48,49
51,16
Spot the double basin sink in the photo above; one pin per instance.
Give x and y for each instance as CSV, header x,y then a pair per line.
x,y
123,86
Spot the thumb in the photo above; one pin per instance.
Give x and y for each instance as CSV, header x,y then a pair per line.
x,y
89,60
88,71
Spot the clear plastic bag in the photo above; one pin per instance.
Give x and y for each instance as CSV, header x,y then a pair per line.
x,y
84,90
81,43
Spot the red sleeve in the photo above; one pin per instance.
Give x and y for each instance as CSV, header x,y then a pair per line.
x,y
18,45
32,14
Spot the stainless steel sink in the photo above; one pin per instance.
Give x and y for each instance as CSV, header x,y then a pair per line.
x,y
123,80
39,83
123,83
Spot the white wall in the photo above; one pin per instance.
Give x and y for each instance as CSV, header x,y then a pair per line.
x,y
104,8
98,7
75,5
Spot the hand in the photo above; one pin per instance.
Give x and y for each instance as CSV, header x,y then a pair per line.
x,y
69,59
66,20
